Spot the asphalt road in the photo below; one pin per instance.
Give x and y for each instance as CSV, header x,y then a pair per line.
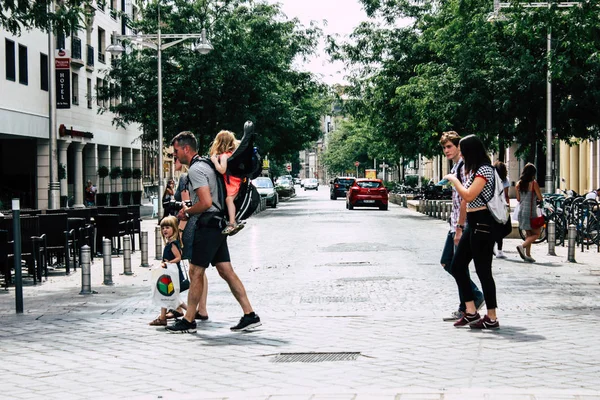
x,y
363,285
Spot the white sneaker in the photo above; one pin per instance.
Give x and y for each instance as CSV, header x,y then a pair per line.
x,y
500,254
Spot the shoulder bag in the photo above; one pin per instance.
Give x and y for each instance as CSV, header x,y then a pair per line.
x,y
538,221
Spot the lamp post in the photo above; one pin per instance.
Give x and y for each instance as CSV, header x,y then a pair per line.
x,y
155,41
496,16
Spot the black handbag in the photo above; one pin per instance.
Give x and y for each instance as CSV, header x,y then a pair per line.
x,y
184,279
505,229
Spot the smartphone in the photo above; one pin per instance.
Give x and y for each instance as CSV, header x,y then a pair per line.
x,y
443,182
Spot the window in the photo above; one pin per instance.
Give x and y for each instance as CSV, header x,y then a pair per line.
x,y
101,44
10,60
89,93
74,88
23,75
43,72
101,4
99,83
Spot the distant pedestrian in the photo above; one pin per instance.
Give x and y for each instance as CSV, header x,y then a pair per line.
x,y
449,142
90,194
503,174
477,242
210,245
528,191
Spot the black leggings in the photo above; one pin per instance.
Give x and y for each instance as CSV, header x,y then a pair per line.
x,y
477,244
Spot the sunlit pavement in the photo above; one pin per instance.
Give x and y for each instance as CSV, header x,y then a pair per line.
x,y
323,279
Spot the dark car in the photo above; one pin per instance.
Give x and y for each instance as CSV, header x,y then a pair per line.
x,y
339,186
367,193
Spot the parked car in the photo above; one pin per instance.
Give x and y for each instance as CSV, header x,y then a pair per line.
x,y
297,181
285,187
367,193
339,186
265,188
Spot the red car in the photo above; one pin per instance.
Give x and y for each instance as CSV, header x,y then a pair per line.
x,y
367,193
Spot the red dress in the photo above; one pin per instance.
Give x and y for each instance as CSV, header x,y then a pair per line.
x,y
233,186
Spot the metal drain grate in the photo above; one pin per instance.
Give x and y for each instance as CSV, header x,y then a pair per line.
x,y
314,357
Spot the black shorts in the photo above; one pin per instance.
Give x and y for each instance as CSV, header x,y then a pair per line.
x,y
210,247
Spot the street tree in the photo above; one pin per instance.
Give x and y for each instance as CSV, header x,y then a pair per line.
x,y
16,15
248,76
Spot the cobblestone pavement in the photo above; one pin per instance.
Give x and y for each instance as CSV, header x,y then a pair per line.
x,y
322,279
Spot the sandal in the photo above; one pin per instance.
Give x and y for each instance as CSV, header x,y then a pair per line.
x,y
236,229
158,322
174,314
228,229
201,317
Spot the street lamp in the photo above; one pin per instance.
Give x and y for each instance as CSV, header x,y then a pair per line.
x,y
496,16
156,42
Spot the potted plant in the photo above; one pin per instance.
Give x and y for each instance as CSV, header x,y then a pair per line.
x,y
136,194
102,198
126,175
115,197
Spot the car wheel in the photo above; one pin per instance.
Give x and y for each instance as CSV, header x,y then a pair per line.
x,y
274,204
350,206
384,208
333,197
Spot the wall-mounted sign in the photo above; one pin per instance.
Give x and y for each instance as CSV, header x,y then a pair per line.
x,y
64,131
63,82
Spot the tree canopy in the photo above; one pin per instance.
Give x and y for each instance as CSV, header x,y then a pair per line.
x,y
248,76
16,15
452,69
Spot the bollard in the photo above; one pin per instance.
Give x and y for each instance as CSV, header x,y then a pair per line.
x,y
16,211
404,202
106,254
144,245
551,228
127,256
444,211
572,235
157,243
86,280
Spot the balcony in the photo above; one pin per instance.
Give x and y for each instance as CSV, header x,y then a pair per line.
x,y
101,58
89,65
76,59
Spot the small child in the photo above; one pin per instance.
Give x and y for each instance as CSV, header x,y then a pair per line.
x,y
221,149
171,254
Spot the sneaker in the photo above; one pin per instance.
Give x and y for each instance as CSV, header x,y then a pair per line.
x,y
529,259
479,303
182,326
500,254
455,316
248,321
485,323
467,319
521,251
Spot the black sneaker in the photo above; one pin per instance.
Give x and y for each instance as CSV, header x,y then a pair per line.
x,y
467,319
248,321
182,326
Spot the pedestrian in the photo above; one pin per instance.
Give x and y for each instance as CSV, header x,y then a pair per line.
x,y
187,228
477,241
528,191
90,194
171,255
503,174
449,142
221,149
210,245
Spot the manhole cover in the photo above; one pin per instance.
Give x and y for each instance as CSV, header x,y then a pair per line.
x,y
314,357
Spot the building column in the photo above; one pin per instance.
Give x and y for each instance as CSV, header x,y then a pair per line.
x,y
63,146
583,167
116,157
573,166
78,181
104,161
43,173
90,154
565,164
136,160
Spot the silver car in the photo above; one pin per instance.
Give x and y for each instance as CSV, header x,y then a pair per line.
x,y
265,188
311,184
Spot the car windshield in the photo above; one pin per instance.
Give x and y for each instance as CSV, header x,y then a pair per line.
x,y
313,180
369,184
263,183
284,181
345,181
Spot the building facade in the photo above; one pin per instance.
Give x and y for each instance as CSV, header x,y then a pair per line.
x,y
86,139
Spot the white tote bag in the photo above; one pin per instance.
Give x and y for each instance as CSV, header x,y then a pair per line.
x,y
515,214
165,286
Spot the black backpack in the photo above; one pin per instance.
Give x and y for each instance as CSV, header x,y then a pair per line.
x,y
244,163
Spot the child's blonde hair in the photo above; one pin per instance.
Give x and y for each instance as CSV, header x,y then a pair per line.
x,y
173,223
223,143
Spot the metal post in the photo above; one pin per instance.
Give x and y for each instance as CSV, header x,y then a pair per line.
x,y
127,256
157,243
551,227
16,207
144,245
404,202
160,122
54,183
107,256
549,183
86,280
572,236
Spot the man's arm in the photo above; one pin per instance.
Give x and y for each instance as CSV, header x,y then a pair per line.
x,y
203,204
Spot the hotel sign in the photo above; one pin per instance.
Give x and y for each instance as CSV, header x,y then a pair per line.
x,y
63,81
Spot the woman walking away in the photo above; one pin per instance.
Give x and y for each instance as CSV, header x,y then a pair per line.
x,y
527,191
503,174
477,241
